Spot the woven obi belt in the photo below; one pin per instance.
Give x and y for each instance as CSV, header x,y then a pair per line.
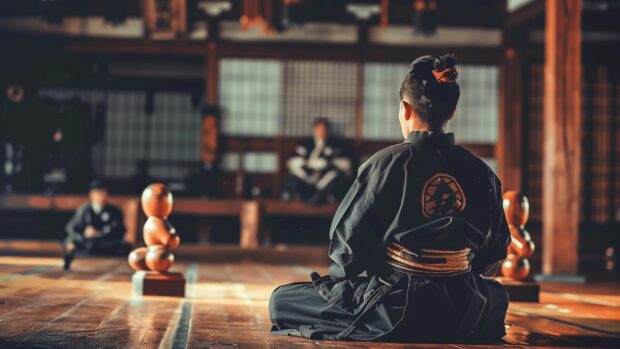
x,y
427,261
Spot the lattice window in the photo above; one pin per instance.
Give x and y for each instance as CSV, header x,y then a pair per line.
x,y
381,84
169,138
125,133
313,89
477,113
600,168
615,145
175,135
250,94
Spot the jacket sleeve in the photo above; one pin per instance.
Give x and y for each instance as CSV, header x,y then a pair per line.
x,y
488,258
76,225
354,241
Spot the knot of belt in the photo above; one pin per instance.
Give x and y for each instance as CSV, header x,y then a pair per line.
x,y
428,261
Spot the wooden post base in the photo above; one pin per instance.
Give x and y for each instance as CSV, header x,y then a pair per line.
x,y
521,291
155,284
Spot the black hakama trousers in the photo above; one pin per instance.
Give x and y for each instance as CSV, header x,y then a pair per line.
x,y
400,307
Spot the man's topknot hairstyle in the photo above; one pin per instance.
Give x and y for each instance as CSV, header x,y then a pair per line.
x,y
431,89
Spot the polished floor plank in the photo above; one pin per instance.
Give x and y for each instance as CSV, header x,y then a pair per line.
x,y
143,322
590,316
64,310
42,306
529,331
222,315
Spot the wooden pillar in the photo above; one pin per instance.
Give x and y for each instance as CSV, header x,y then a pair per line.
x,y
250,224
385,13
562,136
278,177
212,62
508,151
132,214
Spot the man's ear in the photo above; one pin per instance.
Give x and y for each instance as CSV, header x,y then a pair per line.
x,y
408,114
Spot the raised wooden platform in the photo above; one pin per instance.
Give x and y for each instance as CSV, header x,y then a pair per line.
x,y
130,206
252,213
226,306
155,284
278,254
521,291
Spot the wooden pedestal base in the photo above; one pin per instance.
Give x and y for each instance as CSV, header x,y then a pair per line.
x,y
155,284
521,291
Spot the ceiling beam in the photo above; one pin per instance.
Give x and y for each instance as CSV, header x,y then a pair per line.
x,y
270,50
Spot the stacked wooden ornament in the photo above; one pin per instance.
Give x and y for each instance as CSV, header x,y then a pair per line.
x,y
517,208
516,266
159,235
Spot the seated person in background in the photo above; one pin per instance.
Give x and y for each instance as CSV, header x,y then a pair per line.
x,y
318,169
414,238
97,227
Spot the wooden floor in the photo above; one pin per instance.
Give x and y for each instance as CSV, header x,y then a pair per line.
x,y
42,306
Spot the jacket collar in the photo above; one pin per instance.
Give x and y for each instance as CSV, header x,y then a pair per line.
x,y
424,137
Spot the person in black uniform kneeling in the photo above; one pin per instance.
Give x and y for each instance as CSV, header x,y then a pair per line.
x,y
414,239
96,228
318,169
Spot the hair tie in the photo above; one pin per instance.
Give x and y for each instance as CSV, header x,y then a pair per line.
x,y
447,75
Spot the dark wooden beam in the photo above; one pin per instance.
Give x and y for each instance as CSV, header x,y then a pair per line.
x,y
130,205
562,136
242,144
509,144
272,50
137,47
613,145
212,72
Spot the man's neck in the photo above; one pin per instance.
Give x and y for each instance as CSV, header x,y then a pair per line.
x,y
319,142
96,207
420,126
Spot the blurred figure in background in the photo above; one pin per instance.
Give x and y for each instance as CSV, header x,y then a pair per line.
x,y
318,169
96,228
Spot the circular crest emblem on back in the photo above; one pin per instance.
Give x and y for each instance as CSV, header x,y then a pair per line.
x,y
442,196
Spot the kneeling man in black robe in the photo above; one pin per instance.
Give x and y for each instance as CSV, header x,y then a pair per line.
x,y
96,228
413,239
318,170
